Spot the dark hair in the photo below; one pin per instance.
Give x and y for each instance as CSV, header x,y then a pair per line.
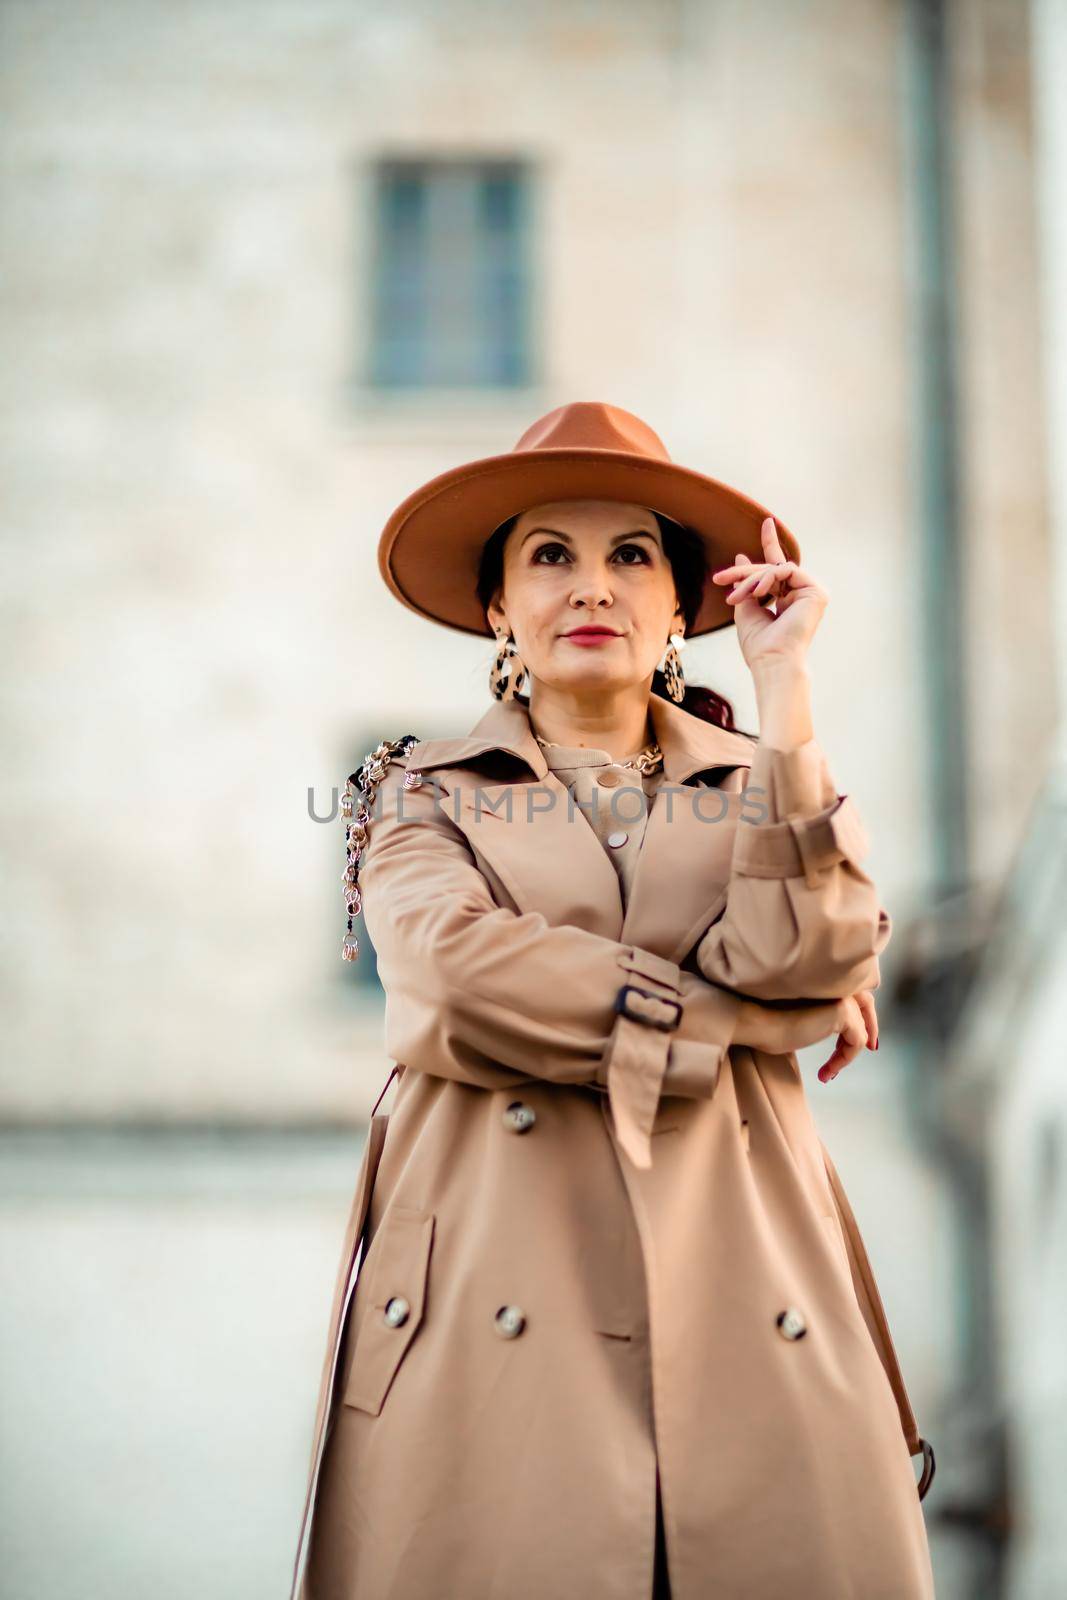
x,y
686,552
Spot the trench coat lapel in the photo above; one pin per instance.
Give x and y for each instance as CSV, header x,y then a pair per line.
x,y
530,833
550,859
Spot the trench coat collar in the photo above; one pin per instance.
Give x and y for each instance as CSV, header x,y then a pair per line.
x,y
689,744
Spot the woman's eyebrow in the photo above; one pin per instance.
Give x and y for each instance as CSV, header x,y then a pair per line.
x,y
637,533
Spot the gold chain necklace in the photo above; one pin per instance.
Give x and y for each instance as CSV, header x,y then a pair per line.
x,y
650,759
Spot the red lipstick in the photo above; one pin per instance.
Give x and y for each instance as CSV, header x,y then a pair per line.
x,y
593,633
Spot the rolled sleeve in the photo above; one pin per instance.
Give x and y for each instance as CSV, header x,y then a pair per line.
x,y
809,826
802,920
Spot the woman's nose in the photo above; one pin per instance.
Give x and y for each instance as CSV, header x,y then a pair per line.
x,y
592,589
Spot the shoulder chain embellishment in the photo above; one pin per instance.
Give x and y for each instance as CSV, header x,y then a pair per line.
x,y
356,806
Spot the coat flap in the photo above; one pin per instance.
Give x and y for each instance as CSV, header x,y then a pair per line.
x,y
432,754
397,1267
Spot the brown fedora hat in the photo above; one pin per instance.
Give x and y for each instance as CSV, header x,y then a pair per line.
x,y
431,545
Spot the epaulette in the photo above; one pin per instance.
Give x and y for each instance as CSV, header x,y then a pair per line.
x,y
356,805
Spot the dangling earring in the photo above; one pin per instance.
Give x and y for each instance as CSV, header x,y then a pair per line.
x,y
501,687
671,667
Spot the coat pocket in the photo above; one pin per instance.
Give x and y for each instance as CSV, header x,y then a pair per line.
x,y
397,1269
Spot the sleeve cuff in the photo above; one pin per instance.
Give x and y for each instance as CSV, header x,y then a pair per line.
x,y
807,826
693,1069
695,1060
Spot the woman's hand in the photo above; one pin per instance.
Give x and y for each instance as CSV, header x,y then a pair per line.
x,y
854,1021
784,633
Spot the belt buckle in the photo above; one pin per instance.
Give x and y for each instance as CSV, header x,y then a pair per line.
x,y
649,994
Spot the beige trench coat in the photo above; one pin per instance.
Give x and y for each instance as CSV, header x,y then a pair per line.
x,y
601,1242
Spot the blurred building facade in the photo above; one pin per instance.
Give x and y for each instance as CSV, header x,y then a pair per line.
x,y
266,271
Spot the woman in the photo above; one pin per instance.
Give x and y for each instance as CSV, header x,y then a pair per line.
x,y
614,1331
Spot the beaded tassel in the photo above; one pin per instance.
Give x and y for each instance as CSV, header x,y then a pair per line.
x,y
356,804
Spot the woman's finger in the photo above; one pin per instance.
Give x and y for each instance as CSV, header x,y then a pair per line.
x,y
758,571
780,574
850,1041
771,542
790,597
865,1000
798,577
743,587
846,1050
771,580
764,584
740,569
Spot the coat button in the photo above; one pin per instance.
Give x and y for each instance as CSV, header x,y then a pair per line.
x,y
519,1116
616,839
397,1311
510,1322
791,1324
609,778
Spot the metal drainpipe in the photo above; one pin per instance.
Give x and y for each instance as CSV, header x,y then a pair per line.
x,y
971,1496
934,406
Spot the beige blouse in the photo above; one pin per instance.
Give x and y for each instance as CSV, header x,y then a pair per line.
x,y
615,801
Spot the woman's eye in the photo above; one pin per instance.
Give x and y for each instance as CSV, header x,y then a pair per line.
x,y
541,549
545,551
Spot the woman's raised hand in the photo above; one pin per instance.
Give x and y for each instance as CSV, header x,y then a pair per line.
x,y
798,602
854,1021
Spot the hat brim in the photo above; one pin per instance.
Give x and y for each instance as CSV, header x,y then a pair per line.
x,y
431,546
